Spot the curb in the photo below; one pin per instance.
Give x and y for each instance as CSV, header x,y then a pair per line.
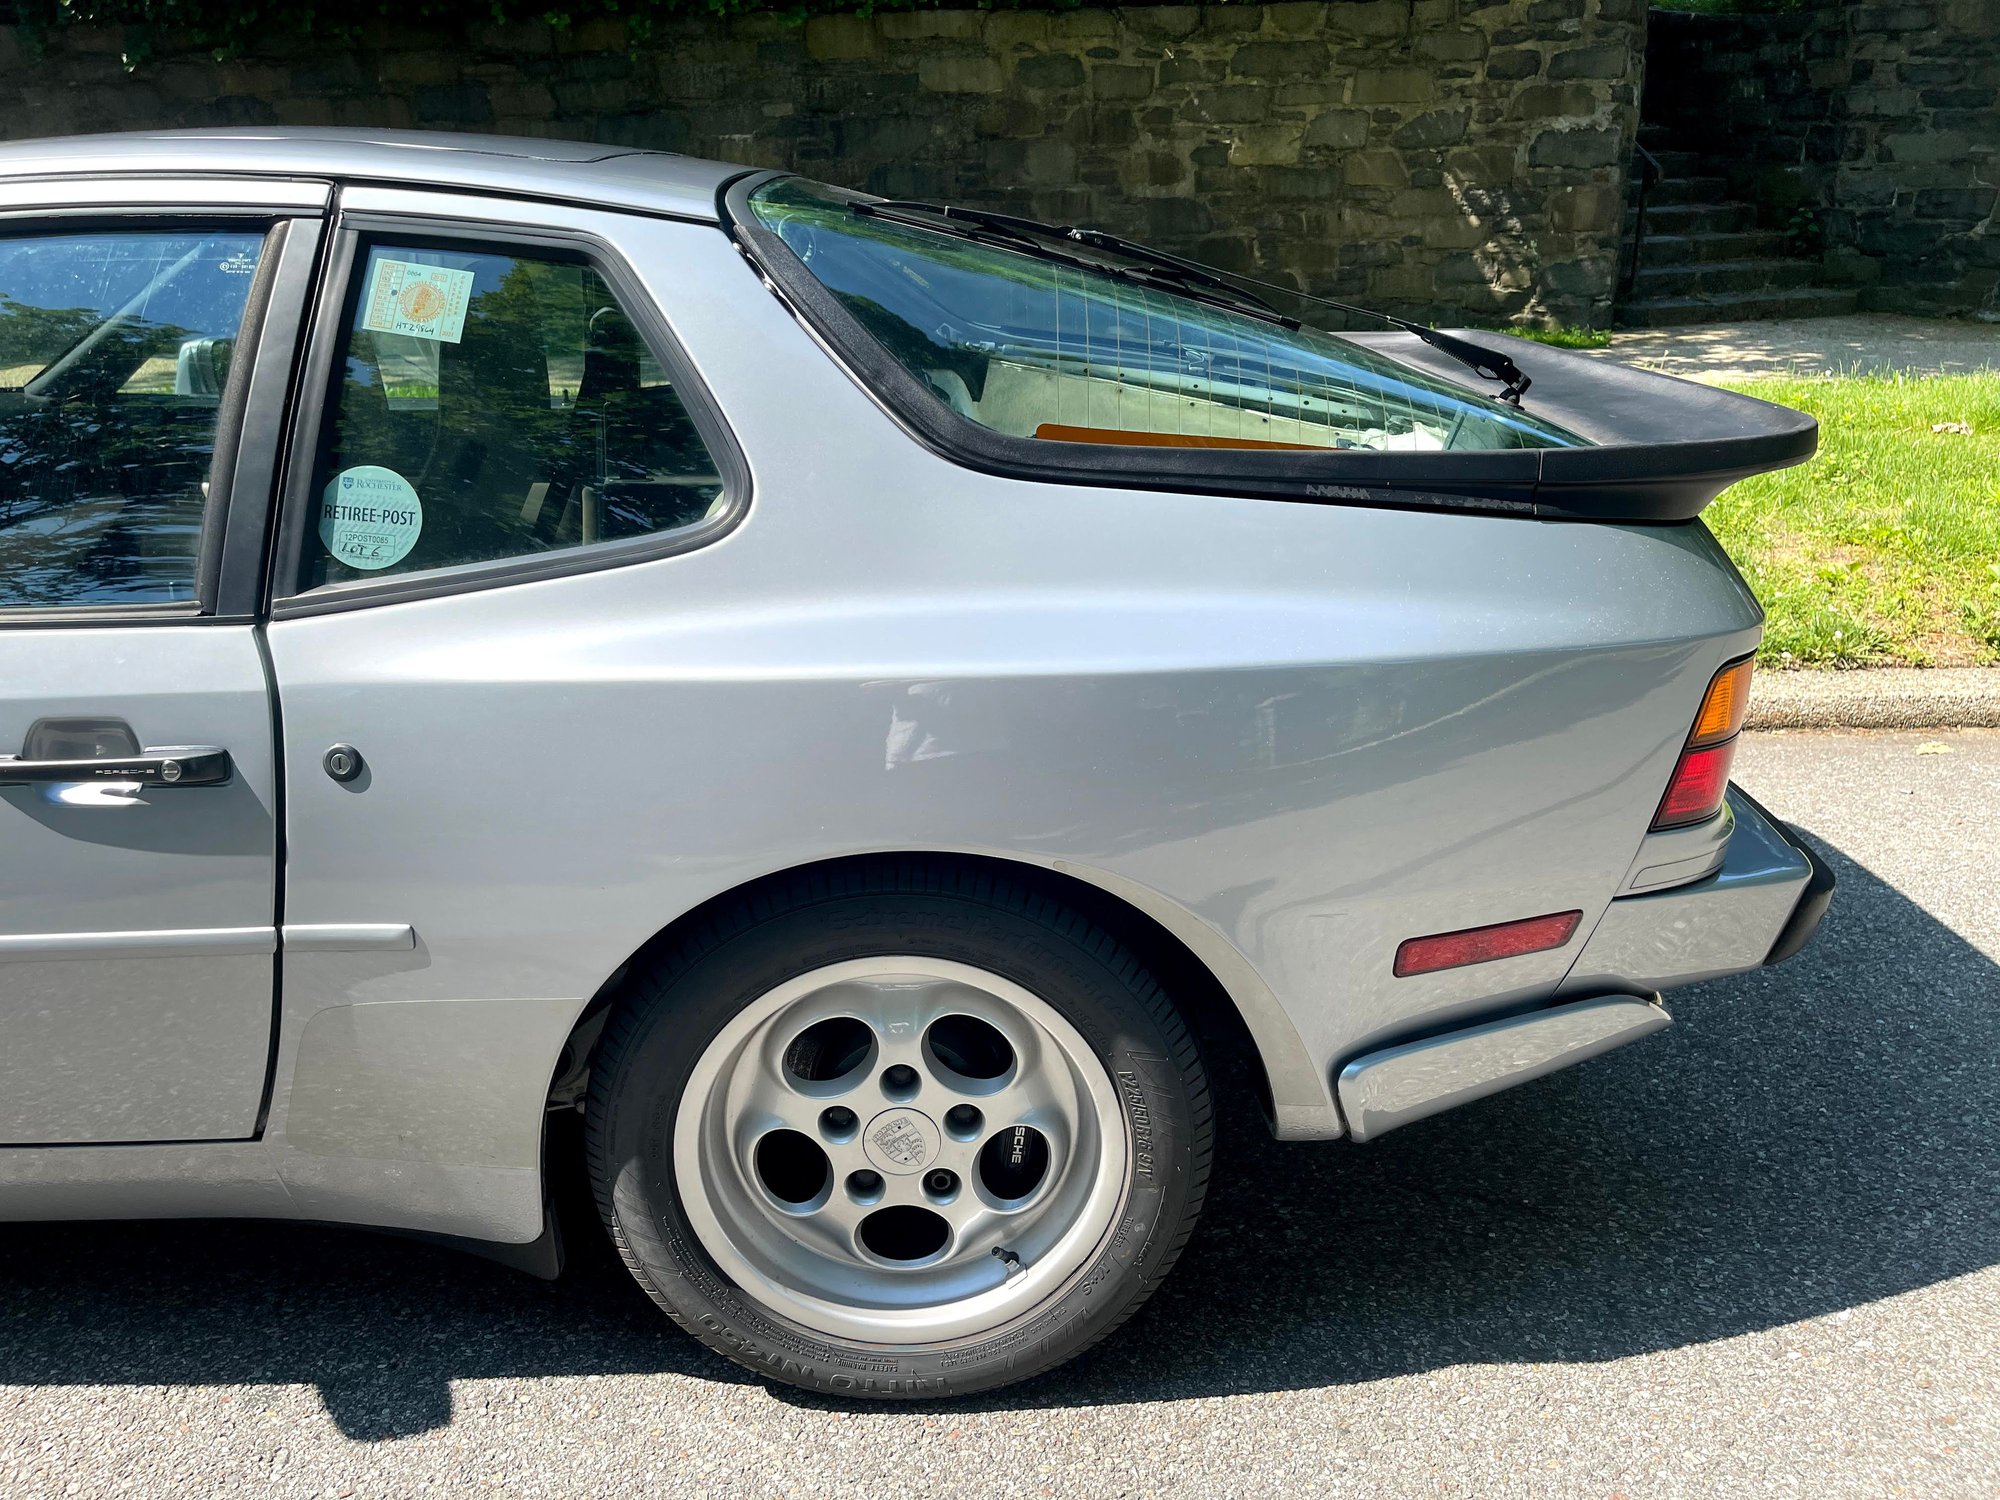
x,y
1877,698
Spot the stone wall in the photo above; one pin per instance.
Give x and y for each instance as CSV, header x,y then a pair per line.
x,y
1885,118
1454,159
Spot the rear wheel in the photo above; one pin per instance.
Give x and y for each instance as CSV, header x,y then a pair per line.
x,y
899,1133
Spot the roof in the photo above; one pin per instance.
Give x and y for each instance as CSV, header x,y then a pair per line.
x,y
574,171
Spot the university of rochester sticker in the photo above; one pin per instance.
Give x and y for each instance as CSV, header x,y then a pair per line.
x,y
370,517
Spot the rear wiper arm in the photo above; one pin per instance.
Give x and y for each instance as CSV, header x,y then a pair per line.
x,y
1488,364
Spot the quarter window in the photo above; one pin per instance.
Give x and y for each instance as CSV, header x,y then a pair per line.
x,y
115,348
493,405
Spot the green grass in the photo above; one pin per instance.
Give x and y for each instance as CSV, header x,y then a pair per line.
x,y
1563,338
1886,547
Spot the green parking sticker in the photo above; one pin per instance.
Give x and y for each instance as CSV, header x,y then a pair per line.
x,y
370,517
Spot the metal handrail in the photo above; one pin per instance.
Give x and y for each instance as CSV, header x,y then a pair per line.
x,y
1650,173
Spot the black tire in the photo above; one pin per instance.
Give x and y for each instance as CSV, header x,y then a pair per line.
x,y
676,1004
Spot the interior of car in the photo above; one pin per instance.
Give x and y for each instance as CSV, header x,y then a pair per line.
x,y
546,424
115,350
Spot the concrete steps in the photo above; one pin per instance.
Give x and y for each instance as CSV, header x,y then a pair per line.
x,y
1694,188
1737,307
1704,260
1685,249
1714,277
1675,164
1694,218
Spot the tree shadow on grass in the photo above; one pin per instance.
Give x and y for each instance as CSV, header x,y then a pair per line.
x,y
1804,1139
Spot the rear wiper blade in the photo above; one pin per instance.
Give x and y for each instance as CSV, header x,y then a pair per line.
x,y
1189,271
1031,237
1007,227
1488,364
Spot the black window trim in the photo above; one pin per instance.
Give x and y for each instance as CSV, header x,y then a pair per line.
x,y
269,327
258,453
329,331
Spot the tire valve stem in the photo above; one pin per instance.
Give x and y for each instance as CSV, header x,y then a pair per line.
x,y
1008,1259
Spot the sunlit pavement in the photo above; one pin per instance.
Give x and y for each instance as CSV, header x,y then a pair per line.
x,y
1865,343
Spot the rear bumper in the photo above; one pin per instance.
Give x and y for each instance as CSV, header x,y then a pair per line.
x,y
1760,907
1392,1087
1813,900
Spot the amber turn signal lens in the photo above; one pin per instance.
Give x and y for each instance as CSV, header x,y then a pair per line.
x,y
1723,709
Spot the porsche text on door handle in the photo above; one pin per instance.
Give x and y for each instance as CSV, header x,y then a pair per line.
x,y
171,765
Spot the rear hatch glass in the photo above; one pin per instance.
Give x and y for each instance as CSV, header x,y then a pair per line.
x,y
1030,348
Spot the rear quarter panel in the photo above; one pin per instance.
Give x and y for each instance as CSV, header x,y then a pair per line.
x,y
1305,732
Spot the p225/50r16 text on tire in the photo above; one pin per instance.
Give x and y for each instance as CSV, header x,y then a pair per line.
x,y
898,1132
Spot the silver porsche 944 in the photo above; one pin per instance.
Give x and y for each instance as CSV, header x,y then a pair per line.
x,y
853,698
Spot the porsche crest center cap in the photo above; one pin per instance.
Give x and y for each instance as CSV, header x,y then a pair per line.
x,y
901,1141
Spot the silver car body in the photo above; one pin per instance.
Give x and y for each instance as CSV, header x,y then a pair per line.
x,y
1290,735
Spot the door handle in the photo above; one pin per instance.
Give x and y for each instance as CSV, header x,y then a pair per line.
x,y
156,765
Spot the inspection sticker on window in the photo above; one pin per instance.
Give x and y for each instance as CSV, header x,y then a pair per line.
x,y
370,517
421,302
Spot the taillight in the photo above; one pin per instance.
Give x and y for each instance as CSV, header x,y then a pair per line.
x,y
1701,779
1696,791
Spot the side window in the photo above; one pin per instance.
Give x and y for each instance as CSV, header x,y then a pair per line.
x,y
493,405
114,350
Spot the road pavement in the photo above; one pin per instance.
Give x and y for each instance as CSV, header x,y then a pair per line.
x,y
1757,1254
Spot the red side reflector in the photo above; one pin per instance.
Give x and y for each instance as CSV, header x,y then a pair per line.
x,y
1700,781
1478,945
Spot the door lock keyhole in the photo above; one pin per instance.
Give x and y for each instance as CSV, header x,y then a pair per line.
x,y
342,762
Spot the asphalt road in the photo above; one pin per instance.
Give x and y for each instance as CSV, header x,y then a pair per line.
x,y
1757,1254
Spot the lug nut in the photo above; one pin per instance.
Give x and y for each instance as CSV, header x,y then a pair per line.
x,y
901,1079
941,1183
838,1122
864,1186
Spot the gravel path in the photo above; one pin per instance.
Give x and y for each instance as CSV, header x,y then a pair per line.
x,y
1758,1254
1866,342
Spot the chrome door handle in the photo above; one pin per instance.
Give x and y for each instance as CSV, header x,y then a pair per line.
x,y
156,765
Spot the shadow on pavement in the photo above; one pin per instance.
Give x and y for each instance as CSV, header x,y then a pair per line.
x,y
1805,1139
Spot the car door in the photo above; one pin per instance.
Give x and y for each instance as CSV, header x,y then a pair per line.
x,y
146,333
497,440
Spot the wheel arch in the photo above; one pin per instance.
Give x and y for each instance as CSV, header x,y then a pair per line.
x,y
1233,1012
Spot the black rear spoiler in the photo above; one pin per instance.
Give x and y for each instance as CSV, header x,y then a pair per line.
x,y
1665,446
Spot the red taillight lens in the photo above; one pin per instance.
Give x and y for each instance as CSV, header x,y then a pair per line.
x,y
1701,780
1478,945
1696,791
